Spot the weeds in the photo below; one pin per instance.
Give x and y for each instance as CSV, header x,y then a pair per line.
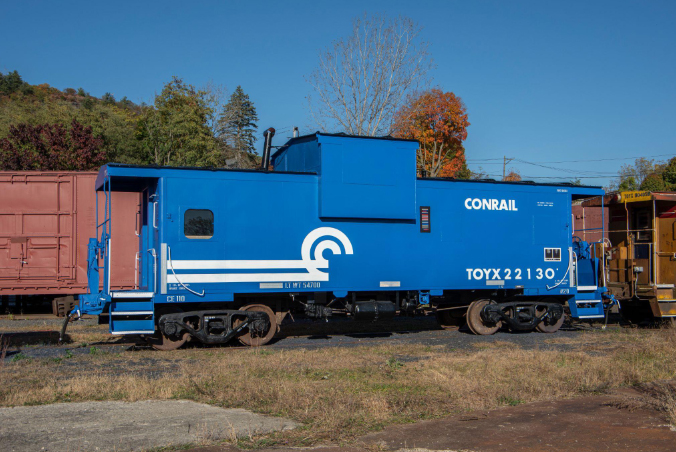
x,y
4,345
19,357
659,396
506,400
394,363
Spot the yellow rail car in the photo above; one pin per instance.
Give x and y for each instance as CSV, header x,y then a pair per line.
x,y
640,250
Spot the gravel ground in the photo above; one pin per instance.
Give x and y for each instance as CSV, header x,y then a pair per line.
x,y
302,334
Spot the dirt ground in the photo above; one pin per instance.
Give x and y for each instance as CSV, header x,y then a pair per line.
x,y
586,424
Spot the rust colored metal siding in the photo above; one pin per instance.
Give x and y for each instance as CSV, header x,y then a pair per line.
x,y
46,220
588,222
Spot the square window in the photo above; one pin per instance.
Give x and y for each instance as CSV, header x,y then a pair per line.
x,y
198,224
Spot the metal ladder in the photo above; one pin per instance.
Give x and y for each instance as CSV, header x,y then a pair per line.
x,y
131,312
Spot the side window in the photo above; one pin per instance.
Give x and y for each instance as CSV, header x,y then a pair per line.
x,y
198,224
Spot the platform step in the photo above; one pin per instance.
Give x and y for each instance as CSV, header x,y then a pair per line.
x,y
132,315
135,294
587,288
132,326
586,307
128,305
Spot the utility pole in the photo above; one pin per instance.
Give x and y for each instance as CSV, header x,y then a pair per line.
x,y
505,161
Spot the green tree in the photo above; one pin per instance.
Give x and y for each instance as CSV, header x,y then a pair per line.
x,y
10,83
654,182
175,130
669,174
108,98
236,126
628,183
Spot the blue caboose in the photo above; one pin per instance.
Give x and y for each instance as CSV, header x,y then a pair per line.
x,y
340,225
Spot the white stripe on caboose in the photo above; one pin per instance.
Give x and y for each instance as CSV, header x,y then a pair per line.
x,y
245,277
241,264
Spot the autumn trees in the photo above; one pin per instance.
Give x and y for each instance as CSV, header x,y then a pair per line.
x,y
438,121
51,147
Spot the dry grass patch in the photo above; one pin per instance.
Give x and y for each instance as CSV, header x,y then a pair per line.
x,y
340,393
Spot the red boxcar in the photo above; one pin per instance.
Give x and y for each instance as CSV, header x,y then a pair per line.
x,y
46,220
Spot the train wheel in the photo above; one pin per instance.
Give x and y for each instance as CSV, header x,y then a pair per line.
x,y
161,342
476,323
246,338
450,319
547,326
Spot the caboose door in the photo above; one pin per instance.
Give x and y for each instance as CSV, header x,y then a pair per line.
x,y
191,235
666,243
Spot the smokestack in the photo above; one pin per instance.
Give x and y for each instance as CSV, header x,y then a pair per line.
x,y
268,134
295,132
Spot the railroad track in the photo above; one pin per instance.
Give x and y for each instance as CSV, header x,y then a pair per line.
x,y
451,340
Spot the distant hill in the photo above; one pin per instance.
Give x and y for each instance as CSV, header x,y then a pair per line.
x,y
181,128
115,120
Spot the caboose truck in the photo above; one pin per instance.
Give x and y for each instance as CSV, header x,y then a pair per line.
x,y
340,226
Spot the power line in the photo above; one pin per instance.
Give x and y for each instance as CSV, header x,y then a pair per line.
x,y
565,170
579,161
552,177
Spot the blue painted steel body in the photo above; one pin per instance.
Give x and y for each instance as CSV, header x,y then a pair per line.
x,y
343,214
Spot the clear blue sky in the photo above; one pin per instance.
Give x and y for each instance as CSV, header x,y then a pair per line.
x,y
542,81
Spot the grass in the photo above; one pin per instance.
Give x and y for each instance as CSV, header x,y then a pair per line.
x,y
341,393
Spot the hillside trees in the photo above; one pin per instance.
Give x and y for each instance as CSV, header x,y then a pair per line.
x,y
236,127
51,147
43,104
362,79
438,121
178,129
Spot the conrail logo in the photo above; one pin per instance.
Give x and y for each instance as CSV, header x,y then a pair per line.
x,y
490,204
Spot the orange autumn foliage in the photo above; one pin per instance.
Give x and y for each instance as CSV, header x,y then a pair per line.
x,y
454,166
438,121
512,176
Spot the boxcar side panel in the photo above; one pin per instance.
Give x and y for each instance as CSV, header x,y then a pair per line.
x,y
46,220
